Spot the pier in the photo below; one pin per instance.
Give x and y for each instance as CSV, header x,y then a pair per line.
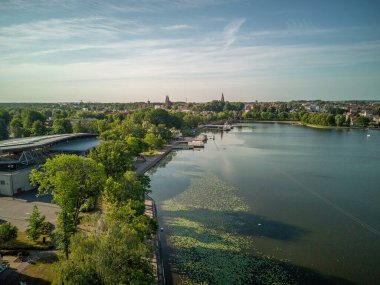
x,y
225,127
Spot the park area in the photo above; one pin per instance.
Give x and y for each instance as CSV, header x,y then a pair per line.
x,y
22,259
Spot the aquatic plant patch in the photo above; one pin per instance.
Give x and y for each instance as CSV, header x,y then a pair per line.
x,y
203,223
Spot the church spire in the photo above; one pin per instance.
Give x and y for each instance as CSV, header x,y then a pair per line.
x,y
222,99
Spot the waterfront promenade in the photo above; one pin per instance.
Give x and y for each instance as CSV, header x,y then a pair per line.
x,y
151,211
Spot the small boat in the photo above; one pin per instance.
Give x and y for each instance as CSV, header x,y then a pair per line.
x,y
226,127
368,135
196,144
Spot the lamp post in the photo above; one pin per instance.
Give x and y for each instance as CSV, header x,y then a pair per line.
x,y
10,167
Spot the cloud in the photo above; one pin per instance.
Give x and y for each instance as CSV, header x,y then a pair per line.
x,y
177,27
231,30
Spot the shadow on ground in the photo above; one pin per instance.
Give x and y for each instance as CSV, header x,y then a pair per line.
x,y
32,196
11,277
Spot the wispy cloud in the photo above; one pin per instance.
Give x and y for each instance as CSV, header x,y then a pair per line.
x,y
231,30
177,27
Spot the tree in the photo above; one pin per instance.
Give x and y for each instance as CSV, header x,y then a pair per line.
x,y
72,180
8,232
29,117
38,128
154,142
62,126
79,128
362,121
128,187
16,127
117,253
135,145
36,221
339,120
3,130
115,157
283,116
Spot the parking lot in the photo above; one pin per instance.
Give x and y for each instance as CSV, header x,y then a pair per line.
x,y
16,209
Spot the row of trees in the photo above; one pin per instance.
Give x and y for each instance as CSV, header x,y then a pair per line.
x,y
323,119
112,246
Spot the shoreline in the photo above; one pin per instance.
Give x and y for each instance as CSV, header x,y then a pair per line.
x,y
152,161
151,211
299,123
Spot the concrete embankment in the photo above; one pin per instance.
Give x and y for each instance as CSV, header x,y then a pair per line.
x,y
151,211
152,161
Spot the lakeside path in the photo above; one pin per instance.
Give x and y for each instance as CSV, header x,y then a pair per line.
x,y
149,162
150,210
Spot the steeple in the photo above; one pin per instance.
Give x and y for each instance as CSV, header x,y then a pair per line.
x,y
222,99
167,104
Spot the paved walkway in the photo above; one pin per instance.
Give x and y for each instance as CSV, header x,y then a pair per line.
x,y
143,167
17,209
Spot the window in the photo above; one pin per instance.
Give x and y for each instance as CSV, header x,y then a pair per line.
x,y
2,182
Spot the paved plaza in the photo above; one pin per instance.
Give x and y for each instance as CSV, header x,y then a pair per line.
x,y
16,209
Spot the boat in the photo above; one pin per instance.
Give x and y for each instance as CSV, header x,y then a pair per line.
x,y
196,144
201,138
227,127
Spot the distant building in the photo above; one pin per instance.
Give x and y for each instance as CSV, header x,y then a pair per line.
x,y
168,104
366,114
222,99
376,119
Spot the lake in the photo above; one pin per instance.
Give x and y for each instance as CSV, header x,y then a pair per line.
x,y
271,202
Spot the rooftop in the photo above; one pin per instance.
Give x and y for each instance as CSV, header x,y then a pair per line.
x,y
16,145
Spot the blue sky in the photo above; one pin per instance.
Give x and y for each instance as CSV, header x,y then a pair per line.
x,y
123,51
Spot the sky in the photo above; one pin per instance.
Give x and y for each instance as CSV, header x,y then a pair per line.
x,y
191,50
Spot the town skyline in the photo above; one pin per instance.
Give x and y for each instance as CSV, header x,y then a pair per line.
x,y
69,51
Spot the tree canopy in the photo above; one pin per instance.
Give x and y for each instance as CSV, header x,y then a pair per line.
x,y
72,180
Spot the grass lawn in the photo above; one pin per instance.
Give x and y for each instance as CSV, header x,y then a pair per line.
x,y
151,153
22,242
41,272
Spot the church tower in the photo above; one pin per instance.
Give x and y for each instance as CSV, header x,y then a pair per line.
x,y
167,104
222,99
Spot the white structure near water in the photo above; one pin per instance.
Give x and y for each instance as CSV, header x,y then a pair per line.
x,y
19,156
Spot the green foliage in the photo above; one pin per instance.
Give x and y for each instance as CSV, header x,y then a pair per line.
x,y
135,145
123,189
8,232
161,116
16,127
62,126
322,119
362,121
115,157
73,180
38,128
35,223
4,115
47,228
117,253
153,141
29,116
3,130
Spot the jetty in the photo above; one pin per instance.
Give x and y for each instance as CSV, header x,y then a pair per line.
x,y
226,127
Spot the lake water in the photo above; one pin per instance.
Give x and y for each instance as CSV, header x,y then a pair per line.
x,y
302,196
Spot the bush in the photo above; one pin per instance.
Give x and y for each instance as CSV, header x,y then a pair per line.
x,y
8,232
